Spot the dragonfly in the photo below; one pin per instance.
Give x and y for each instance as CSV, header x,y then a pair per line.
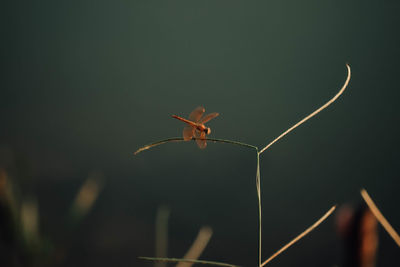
x,y
195,126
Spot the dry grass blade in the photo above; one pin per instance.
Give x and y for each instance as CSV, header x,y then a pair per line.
x,y
30,221
312,227
312,114
382,220
189,260
176,139
180,139
197,247
162,234
258,185
87,195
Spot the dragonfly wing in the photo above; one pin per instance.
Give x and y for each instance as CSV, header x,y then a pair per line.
x,y
197,134
196,114
208,117
201,140
188,132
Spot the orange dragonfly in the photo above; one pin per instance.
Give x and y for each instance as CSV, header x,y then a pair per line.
x,y
195,126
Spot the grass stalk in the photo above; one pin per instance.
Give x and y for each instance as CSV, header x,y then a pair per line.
x,y
162,218
379,216
300,236
198,246
258,184
314,113
180,139
188,260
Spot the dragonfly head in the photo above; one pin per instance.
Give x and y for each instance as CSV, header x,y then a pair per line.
x,y
208,130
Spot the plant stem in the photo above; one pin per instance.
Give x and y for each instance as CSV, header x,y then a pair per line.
x,y
258,183
188,260
379,216
314,113
180,139
300,236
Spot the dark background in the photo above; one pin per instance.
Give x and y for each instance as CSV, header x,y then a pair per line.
x,y
86,83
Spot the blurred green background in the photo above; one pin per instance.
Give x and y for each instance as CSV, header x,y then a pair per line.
x,y
86,83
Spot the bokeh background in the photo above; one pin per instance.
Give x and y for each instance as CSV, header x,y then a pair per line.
x,y
84,84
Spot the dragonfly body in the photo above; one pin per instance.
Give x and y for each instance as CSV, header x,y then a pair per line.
x,y
195,126
199,126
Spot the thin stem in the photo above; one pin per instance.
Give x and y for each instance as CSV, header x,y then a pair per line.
x,y
314,113
180,139
258,183
379,216
197,247
162,234
300,236
188,260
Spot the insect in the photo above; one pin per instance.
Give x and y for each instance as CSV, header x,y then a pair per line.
x,y
195,126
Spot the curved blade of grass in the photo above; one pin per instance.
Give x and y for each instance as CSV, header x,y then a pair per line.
x,y
189,260
314,113
379,216
300,236
180,139
198,246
